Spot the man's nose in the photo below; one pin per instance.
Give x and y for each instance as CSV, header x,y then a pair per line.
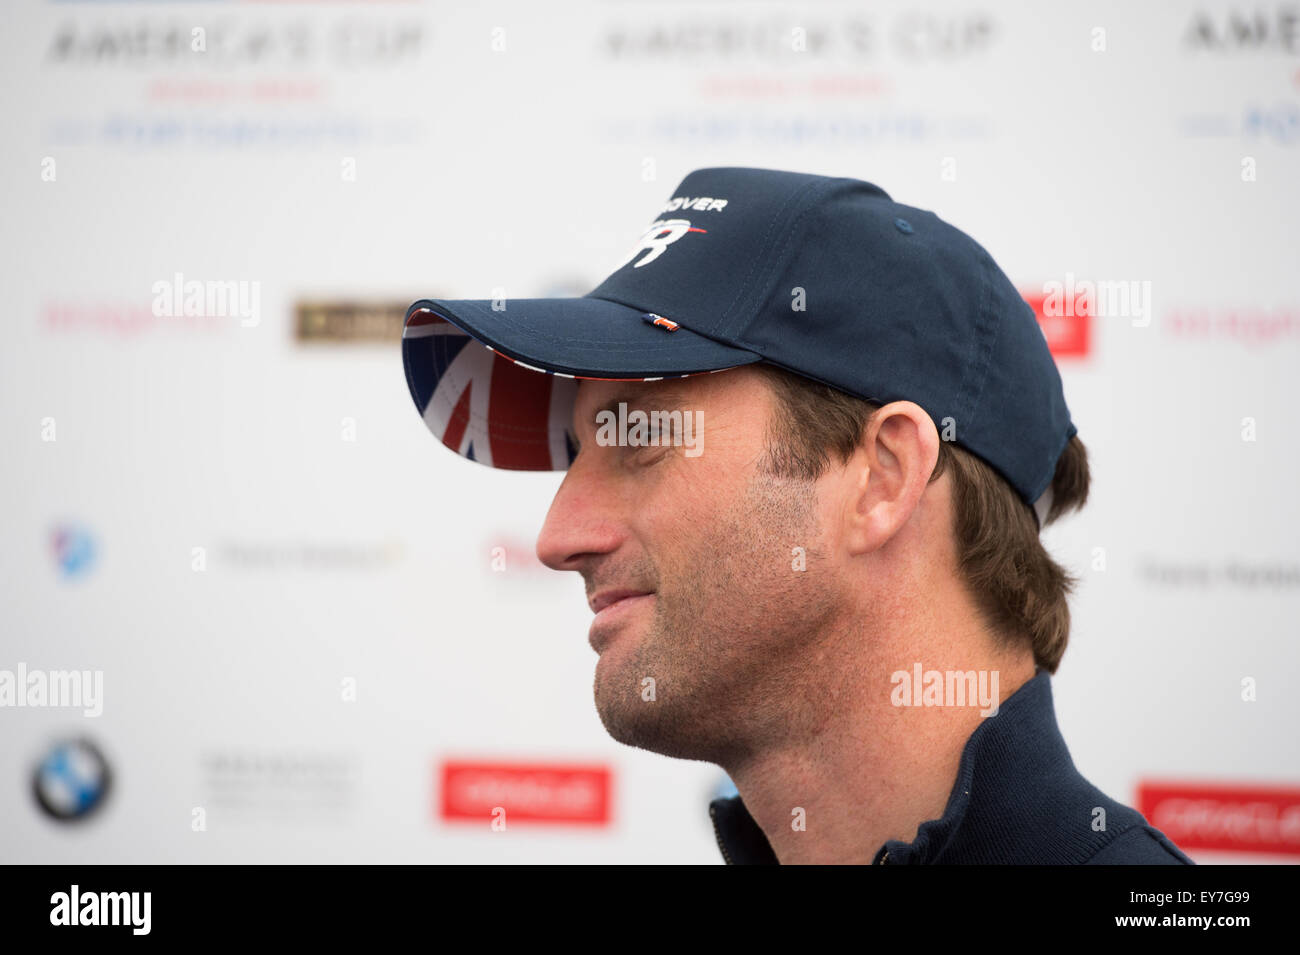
x,y
580,524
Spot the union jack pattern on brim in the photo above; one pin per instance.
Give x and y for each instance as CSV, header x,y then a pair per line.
x,y
487,406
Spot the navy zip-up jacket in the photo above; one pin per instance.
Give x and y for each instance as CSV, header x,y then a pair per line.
x,y
1017,800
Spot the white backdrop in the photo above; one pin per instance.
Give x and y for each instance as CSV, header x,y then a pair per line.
x,y
370,154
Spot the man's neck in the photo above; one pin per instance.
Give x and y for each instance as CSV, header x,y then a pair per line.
x,y
867,769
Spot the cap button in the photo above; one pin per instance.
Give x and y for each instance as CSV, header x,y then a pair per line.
x,y
903,226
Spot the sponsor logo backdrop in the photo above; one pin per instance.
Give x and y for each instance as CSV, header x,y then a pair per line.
x,y
324,637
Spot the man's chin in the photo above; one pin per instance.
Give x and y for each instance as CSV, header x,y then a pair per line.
x,y
635,716
643,731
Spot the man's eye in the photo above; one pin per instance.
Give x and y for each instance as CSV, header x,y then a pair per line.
x,y
649,453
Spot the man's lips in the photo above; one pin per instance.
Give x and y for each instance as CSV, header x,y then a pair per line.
x,y
605,598
612,608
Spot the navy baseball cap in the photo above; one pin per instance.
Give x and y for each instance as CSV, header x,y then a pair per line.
x,y
826,277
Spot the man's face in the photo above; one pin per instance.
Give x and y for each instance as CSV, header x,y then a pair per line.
x,y
706,612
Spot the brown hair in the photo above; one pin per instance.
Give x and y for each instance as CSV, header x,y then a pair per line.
x,y
1019,588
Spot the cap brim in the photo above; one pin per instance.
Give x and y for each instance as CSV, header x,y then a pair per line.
x,y
497,384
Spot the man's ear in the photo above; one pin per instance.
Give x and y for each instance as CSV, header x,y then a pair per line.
x,y
890,470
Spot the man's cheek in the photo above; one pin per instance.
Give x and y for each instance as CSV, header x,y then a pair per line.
x,y
682,512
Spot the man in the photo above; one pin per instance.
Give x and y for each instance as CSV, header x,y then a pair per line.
x,y
819,567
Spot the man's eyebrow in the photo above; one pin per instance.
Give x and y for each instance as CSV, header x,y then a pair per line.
x,y
664,400
660,400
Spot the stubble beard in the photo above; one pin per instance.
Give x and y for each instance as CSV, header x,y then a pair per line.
x,y
732,640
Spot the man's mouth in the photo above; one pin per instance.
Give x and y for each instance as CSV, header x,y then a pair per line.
x,y
607,598
611,608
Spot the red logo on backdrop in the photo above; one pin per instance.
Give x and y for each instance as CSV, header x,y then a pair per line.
x,y
1067,334
527,792
1231,818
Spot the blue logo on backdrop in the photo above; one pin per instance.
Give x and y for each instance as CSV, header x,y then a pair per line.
x,y
74,549
72,780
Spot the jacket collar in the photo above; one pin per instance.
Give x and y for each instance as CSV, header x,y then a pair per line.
x,y
1002,774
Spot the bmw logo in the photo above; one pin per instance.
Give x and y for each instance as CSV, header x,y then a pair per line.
x,y
72,780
